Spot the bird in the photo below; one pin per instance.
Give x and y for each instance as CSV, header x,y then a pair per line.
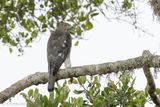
x,y
58,52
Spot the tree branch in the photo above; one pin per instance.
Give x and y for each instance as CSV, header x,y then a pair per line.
x,y
150,80
42,77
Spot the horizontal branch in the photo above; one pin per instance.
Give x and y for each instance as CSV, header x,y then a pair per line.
x,y
42,77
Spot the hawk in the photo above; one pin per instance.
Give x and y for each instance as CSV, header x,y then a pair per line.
x,y
58,51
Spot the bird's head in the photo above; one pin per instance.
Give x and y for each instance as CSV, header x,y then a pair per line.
x,y
64,27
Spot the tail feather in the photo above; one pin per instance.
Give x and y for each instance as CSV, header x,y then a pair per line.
x,y
51,82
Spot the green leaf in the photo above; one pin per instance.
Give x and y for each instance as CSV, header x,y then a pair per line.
x,y
94,14
44,26
12,42
42,18
127,4
49,14
30,93
79,30
64,92
41,6
73,30
97,2
10,50
24,95
82,17
87,26
82,80
78,91
36,93
80,102
66,104
45,99
31,5
51,97
98,102
35,33
27,41
76,44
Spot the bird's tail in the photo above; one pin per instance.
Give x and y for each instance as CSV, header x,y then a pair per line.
x,y
51,82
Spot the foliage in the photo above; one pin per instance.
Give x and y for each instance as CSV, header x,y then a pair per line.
x,y
34,16
121,93
22,21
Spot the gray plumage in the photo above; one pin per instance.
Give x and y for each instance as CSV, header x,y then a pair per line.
x,y
58,48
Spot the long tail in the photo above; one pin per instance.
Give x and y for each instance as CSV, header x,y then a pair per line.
x,y
51,77
51,82
52,70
